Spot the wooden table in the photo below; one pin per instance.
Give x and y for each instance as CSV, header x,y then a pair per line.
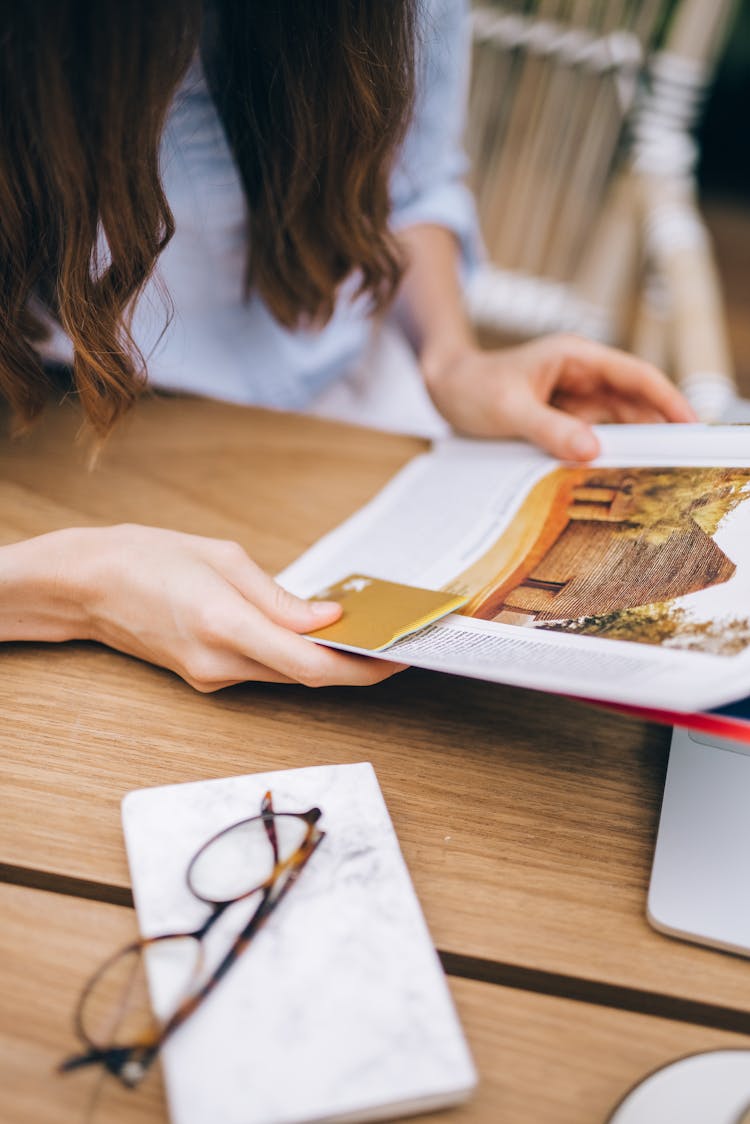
x,y
527,821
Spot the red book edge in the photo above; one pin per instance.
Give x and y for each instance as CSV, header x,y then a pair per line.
x,y
722,725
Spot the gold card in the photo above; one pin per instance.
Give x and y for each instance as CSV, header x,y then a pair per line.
x,y
378,613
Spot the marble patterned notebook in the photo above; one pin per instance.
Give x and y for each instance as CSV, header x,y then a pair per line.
x,y
338,1009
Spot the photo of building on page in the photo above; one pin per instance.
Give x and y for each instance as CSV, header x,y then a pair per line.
x,y
650,555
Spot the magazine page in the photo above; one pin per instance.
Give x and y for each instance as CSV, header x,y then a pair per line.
x,y
626,579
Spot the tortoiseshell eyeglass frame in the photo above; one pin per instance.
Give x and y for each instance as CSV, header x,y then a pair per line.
x,y
130,1063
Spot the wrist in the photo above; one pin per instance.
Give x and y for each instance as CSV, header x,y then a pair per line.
x,y
443,356
45,586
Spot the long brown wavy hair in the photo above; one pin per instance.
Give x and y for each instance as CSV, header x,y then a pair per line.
x,y
314,98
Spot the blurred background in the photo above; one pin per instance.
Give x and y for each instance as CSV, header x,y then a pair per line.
x,y
724,133
610,151
724,177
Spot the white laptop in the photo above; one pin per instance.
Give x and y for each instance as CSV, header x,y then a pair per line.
x,y
699,885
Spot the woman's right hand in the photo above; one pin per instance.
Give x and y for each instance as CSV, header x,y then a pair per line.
x,y
198,606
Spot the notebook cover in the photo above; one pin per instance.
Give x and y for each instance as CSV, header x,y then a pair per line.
x,y
339,1009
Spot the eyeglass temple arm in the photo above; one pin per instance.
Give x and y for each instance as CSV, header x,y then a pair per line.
x,y
259,917
269,823
114,1058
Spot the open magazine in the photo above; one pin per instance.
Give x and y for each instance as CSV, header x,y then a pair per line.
x,y
626,580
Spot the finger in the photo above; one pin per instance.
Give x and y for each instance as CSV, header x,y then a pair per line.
x,y
635,413
637,379
348,670
247,671
377,672
595,409
259,588
606,407
250,671
253,635
560,434
243,645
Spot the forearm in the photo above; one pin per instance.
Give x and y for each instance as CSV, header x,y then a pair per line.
x,y
431,298
42,587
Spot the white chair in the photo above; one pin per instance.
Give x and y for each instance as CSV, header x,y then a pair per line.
x,y
580,133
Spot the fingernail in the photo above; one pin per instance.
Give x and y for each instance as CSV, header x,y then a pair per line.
x,y
323,608
583,446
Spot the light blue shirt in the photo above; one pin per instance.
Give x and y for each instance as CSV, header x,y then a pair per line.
x,y
220,344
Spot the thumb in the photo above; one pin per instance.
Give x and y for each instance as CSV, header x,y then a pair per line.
x,y
275,602
558,433
297,614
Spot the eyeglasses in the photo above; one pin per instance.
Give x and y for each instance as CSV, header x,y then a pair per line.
x,y
113,1019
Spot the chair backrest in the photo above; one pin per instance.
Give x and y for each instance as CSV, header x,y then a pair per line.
x,y
566,93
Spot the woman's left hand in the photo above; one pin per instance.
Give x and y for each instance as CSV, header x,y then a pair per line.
x,y
551,391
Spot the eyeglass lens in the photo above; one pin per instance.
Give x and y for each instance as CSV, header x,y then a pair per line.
x,y
241,859
116,1009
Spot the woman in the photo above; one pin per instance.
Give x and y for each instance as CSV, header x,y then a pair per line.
x,y
279,171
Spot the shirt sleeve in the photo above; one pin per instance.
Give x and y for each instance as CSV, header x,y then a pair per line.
x,y
428,181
